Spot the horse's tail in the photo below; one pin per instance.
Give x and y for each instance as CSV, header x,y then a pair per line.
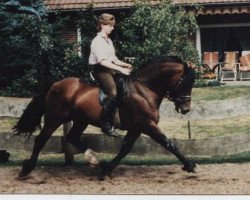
x,y
30,120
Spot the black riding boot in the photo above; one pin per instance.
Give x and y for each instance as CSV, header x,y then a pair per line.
x,y
108,111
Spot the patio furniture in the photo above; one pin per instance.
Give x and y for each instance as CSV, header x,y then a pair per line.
x,y
244,69
243,53
210,61
230,67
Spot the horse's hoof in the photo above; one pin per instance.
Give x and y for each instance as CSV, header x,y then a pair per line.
x,y
106,169
27,168
190,167
103,178
22,177
23,174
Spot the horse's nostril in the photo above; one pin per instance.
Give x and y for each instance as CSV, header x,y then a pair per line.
x,y
185,111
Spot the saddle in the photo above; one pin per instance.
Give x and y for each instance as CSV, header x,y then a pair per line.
x,y
121,86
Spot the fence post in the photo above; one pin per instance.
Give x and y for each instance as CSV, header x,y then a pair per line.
x,y
68,151
189,130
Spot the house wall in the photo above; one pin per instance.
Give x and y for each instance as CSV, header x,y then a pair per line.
x,y
70,34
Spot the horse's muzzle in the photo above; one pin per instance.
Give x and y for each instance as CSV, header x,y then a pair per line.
x,y
183,109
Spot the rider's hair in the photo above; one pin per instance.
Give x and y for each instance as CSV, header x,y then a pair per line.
x,y
105,19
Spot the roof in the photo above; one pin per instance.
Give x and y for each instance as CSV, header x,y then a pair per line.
x,y
211,1
79,4
119,4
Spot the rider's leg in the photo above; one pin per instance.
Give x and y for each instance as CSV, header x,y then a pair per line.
x,y
107,83
108,112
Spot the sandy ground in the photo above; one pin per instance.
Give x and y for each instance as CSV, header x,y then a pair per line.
x,y
167,179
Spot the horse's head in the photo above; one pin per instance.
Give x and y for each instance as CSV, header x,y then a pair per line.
x,y
180,94
169,77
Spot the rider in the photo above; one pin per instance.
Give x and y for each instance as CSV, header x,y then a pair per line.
x,y
106,64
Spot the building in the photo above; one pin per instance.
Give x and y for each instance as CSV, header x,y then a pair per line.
x,y
223,25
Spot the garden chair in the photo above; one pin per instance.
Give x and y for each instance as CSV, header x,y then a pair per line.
x,y
244,69
230,67
210,61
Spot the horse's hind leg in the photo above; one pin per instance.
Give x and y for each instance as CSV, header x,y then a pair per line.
x,y
74,135
40,141
127,144
155,133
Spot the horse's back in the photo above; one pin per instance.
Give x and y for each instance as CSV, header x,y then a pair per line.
x,y
73,93
69,86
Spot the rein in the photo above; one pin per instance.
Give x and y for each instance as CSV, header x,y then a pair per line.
x,y
170,93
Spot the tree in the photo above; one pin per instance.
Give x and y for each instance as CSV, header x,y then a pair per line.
x,y
152,32
35,51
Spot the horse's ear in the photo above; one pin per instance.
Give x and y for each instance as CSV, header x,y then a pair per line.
x,y
191,65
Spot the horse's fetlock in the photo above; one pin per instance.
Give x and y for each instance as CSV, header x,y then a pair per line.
x,y
189,167
106,169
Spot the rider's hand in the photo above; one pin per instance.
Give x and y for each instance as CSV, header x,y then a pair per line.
x,y
125,71
129,66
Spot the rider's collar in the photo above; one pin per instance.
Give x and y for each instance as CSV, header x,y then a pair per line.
x,y
103,36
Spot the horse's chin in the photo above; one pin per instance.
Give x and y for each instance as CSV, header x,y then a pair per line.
x,y
177,109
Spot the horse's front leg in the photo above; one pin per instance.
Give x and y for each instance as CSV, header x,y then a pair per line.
x,y
155,133
127,144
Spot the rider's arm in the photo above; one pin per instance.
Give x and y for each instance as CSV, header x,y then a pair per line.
x,y
110,65
123,64
104,54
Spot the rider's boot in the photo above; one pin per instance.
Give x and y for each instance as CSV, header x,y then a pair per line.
x,y
108,111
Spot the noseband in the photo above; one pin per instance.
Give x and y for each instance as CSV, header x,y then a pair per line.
x,y
171,94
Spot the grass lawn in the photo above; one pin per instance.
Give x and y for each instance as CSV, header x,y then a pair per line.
x,y
175,128
219,92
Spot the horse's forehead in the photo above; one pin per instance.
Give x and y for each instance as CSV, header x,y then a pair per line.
x,y
177,68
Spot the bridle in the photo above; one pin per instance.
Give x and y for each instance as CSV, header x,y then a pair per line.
x,y
171,94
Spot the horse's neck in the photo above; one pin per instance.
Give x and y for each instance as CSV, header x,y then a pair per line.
x,y
156,77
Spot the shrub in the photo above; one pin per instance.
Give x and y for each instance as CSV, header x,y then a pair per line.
x,y
35,52
151,32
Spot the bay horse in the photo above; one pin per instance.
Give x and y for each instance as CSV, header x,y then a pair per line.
x,y
73,99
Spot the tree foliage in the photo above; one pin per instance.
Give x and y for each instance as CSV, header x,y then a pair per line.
x,y
154,31
33,51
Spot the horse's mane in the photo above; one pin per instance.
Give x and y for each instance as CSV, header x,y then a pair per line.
x,y
154,60
150,61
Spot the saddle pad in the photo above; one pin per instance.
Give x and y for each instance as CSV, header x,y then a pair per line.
x,y
102,96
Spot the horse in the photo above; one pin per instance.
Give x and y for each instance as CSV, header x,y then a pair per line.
x,y
73,99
